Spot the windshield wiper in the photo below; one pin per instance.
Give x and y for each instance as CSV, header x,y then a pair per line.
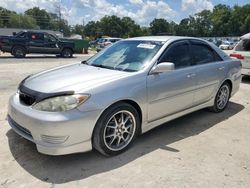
x,y
129,70
102,66
84,62
126,70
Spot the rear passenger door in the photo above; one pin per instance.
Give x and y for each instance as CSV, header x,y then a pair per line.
x,y
210,71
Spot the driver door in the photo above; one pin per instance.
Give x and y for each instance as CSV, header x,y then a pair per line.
x,y
51,44
172,92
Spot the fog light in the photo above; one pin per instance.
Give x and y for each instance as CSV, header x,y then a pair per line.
x,y
54,139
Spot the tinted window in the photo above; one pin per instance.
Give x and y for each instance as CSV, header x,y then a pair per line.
x,y
243,45
202,54
21,35
114,40
179,55
246,45
49,38
36,36
53,38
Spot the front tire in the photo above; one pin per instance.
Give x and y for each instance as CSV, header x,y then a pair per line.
x,y
222,98
116,129
67,53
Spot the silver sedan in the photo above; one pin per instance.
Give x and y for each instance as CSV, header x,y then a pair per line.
x,y
125,90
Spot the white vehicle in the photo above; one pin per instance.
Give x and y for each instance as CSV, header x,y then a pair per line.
x,y
107,41
242,52
103,43
226,45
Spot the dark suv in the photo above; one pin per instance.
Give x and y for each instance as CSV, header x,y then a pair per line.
x,y
26,42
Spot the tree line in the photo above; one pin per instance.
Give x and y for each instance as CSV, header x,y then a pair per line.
x,y
222,21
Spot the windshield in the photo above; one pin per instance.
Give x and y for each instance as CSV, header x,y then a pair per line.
x,y
126,55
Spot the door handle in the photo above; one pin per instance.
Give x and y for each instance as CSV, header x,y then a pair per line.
x,y
191,75
221,68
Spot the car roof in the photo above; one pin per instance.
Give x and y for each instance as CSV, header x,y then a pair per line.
x,y
31,31
112,38
162,38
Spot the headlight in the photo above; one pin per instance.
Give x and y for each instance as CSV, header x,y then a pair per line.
x,y
60,103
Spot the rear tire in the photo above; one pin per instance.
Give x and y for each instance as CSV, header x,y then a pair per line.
x,y
18,52
222,98
116,129
67,53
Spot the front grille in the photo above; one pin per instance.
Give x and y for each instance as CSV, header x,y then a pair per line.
x,y
26,99
19,127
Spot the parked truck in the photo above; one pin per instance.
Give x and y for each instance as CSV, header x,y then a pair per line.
x,y
26,42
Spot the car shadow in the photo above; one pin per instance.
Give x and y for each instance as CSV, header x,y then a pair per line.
x,y
61,169
246,79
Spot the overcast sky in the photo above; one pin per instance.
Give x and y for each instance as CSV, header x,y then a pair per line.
x,y
142,11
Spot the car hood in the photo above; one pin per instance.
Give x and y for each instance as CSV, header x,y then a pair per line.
x,y
76,77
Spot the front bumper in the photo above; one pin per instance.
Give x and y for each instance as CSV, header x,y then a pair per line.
x,y
54,133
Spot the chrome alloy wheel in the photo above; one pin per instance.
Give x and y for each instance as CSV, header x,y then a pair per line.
x,y
223,96
119,130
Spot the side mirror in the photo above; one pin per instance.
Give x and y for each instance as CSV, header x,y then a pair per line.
x,y
163,67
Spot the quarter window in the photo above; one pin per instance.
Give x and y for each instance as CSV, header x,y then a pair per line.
x,y
179,55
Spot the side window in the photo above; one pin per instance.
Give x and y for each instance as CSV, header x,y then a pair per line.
x,y
36,36
52,38
243,45
49,38
246,45
46,38
179,55
202,54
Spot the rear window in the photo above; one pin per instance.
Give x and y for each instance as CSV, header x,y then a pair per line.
x,y
243,45
21,35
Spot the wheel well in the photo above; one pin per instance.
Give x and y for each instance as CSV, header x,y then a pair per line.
x,y
135,105
68,48
18,46
132,103
230,84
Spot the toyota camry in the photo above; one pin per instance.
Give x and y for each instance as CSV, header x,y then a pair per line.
x,y
132,86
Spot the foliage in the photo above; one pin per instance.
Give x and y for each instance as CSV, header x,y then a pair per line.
x,y
159,26
24,21
221,21
41,16
4,16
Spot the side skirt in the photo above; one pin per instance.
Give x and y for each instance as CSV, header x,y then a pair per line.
x,y
148,126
